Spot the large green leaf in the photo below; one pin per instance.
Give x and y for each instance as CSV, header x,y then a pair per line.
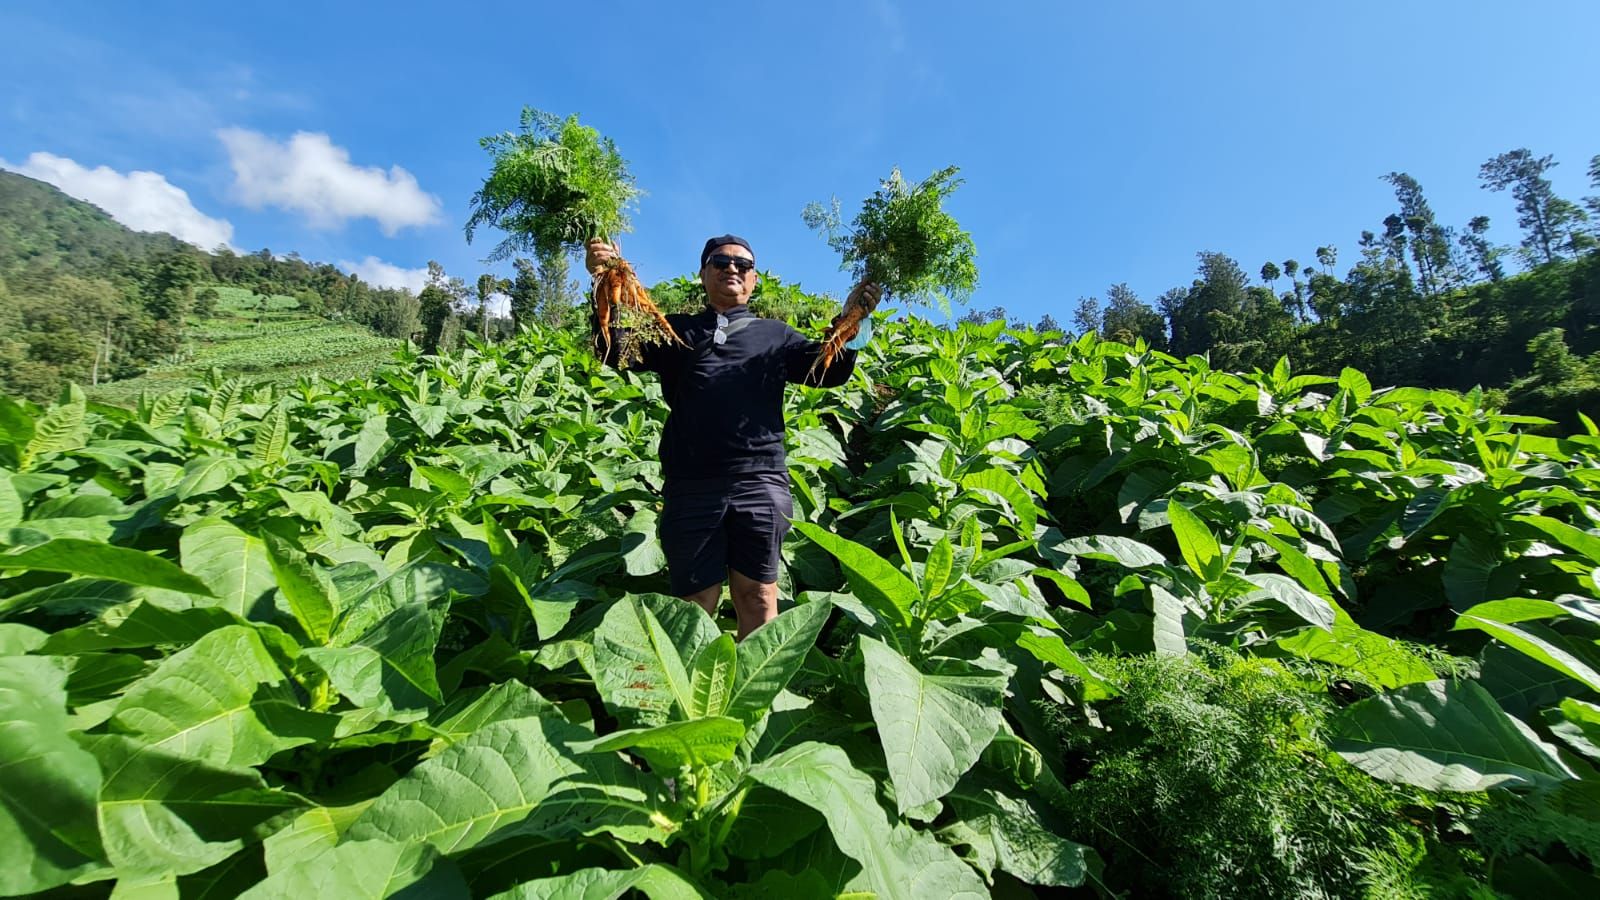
x,y
1444,736
932,727
695,742
209,473
222,700
1008,834
373,443
999,485
391,667
878,584
516,777
1196,542
99,560
365,869
1586,543
1292,596
1540,642
771,655
642,553
233,563
896,860
311,598
1110,548
48,783
654,880
711,678
639,652
314,831
161,812
469,711
1578,723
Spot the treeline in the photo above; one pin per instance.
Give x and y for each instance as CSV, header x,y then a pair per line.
x,y
1422,303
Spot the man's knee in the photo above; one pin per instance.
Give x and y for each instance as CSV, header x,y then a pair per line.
x,y
707,598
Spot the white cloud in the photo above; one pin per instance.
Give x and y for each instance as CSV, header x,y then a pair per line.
x,y
143,201
377,272
310,174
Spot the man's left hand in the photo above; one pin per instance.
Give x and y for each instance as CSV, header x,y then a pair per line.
x,y
868,292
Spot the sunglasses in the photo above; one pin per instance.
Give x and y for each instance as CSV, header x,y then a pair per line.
x,y
723,261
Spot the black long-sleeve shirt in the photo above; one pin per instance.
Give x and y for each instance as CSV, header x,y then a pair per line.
x,y
725,401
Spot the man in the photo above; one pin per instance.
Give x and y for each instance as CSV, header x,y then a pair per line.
x,y
726,499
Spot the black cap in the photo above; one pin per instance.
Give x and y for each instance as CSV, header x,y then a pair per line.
x,y
723,241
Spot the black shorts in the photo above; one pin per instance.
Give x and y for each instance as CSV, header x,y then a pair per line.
x,y
711,525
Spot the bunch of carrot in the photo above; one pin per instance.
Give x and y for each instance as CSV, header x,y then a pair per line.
x,y
902,240
621,300
555,185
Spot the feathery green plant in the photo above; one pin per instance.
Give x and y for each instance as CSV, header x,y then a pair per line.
x,y
555,184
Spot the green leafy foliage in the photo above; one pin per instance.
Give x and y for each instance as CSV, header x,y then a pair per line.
x,y
405,634
554,184
904,240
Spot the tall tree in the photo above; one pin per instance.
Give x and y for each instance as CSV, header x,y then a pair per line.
x,y
560,296
1548,222
1594,182
1429,241
1086,317
1328,258
438,302
1291,268
487,287
1270,274
1127,318
1216,296
524,292
1485,255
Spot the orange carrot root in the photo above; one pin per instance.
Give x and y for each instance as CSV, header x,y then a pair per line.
x,y
622,300
841,332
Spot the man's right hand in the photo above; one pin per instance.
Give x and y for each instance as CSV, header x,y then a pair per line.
x,y
596,253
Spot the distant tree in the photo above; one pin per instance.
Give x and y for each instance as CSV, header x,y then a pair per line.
x,y
983,316
205,302
1594,182
1547,221
1485,255
1553,362
394,313
1047,322
1328,258
524,292
1270,274
432,313
560,298
1194,319
436,307
167,281
1429,242
1086,317
1127,318
487,286
1291,268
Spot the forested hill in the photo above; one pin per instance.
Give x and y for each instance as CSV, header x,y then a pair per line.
x,y
44,230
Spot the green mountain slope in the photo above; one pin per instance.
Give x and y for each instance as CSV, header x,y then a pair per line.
x,y
42,228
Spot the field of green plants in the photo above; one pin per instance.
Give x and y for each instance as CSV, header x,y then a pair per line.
x,y
1058,618
268,339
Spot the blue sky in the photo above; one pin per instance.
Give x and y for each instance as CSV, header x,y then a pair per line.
x,y
1100,142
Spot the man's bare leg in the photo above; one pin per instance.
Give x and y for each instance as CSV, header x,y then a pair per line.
x,y
755,602
708,599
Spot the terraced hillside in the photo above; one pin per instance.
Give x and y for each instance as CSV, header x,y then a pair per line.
x,y
267,339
